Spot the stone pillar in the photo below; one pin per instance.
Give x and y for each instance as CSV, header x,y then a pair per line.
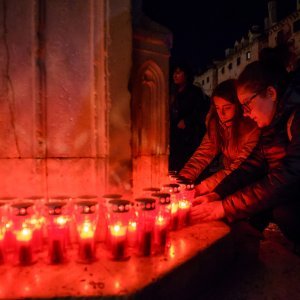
x,y
150,104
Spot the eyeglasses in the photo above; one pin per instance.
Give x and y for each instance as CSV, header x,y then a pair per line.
x,y
246,105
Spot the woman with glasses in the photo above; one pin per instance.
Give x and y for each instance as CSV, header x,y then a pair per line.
x,y
228,133
266,186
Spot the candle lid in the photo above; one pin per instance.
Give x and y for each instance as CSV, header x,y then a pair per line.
x,y
186,184
172,187
22,208
55,207
163,198
87,206
119,205
145,203
112,196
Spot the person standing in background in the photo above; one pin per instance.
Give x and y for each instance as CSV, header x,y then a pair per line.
x,y
188,110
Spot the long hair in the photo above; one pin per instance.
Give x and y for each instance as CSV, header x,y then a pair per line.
x,y
227,91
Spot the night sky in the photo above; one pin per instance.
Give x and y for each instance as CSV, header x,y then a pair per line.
x,y
202,32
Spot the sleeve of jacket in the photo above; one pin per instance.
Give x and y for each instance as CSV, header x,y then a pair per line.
x,y
201,158
248,144
249,170
270,190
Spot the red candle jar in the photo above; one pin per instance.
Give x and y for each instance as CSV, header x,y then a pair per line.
x,y
37,221
187,190
162,221
118,219
145,208
2,247
6,220
23,230
86,216
102,228
57,223
174,190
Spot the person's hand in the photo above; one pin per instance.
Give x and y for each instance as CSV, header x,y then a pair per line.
x,y
201,189
207,212
181,124
206,198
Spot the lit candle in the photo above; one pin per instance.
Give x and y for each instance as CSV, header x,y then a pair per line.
x,y
2,259
23,238
118,241
161,233
183,213
145,243
132,233
56,239
86,251
174,215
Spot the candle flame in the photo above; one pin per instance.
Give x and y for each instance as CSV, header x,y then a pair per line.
x,y
61,220
24,235
87,230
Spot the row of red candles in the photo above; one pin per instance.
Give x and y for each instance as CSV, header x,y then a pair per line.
x,y
124,228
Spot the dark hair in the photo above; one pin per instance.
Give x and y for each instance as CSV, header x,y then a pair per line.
x,y
187,69
227,91
268,71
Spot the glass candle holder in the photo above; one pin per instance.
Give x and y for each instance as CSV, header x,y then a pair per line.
x,y
37,221
174,190
57,223
2,245
23,230
145,208
86,217
187,191
102,227
6,220
118,219
162,221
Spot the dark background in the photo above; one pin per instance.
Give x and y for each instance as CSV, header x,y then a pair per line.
x,y
203,29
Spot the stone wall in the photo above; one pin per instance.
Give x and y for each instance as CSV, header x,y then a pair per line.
x,y
64,102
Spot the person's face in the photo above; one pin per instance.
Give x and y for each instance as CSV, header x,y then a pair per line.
x,y
258,105
224,108
179,76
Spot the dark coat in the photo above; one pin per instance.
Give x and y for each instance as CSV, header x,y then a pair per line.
x,y
271,174
190,105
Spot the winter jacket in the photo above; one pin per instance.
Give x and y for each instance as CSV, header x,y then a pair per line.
x,y
232,155
271,174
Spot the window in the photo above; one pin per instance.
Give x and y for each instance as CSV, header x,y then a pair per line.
x,y
238,61
203,82
207,79
223,70
230,66
248,55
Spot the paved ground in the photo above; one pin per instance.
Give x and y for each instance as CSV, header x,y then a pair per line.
x,y
275,276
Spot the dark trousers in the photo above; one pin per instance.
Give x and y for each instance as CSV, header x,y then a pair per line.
x,y
286,216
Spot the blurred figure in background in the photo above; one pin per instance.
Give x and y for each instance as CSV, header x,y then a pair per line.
x,y
189,106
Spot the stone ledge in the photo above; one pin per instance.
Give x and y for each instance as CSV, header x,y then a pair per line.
x,y
196,256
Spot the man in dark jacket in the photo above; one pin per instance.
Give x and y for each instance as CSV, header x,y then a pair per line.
x,y
189,106
267,185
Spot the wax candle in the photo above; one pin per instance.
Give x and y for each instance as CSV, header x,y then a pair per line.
x,y
132,233
24,249
183,213
2,255
86,250
118,241
161,232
